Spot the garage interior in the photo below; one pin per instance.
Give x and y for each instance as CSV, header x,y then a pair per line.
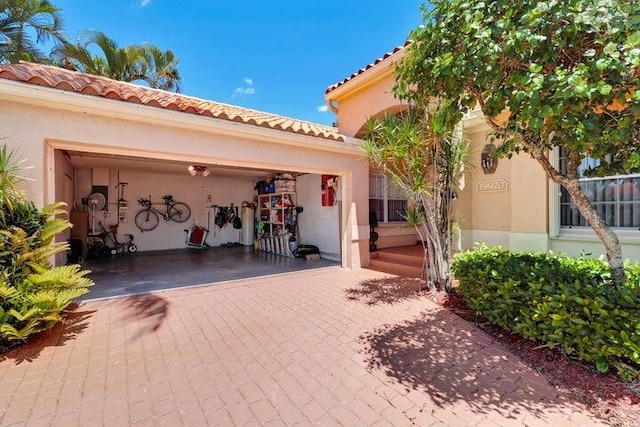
x,y
103,193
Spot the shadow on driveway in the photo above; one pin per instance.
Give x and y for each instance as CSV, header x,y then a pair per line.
x,y
387,291
149,310
75,321
449,359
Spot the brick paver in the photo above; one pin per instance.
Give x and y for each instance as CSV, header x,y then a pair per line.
x,y
323,347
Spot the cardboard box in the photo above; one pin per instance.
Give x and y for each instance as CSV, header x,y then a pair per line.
x,y
312,257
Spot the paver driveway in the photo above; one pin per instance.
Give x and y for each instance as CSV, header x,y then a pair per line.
x,y
324,347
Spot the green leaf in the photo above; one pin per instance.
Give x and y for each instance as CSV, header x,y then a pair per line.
x,y
535,68
633,41
605,88
545,111
602,365
610,48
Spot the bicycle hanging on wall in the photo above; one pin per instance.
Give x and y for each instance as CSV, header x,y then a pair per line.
x,y
148,217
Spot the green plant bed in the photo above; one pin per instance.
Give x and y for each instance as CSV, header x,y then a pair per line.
x,y
33,293
558,301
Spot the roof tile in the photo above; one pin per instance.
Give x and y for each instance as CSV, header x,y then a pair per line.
x,y
72,81
368,66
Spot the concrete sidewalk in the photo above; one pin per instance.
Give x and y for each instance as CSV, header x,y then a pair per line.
x,y
328,347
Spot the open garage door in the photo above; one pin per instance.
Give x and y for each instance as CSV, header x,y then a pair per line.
x,y
143,224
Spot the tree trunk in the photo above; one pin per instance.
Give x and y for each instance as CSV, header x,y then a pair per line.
x,y
572,184
603,231
436,268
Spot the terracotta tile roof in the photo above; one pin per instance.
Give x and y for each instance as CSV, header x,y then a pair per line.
x,y
368,66
60,78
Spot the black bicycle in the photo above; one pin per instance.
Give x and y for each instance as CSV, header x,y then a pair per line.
x,y
148,218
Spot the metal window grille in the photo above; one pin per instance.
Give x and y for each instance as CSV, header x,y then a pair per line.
x,y
615,198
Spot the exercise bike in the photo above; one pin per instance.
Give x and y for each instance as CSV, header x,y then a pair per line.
x,y
115,246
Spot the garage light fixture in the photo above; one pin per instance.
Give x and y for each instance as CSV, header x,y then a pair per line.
x,y
197,169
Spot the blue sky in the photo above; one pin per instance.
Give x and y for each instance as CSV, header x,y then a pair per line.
x,y
275,56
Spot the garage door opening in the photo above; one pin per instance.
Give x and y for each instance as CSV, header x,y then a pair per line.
x,y
134,220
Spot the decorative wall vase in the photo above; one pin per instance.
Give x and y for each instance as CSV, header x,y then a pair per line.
x,y
489,159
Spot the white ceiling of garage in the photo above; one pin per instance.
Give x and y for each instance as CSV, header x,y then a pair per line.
x,y
106,161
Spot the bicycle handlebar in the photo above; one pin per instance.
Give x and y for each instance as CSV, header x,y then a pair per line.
x,y
147,202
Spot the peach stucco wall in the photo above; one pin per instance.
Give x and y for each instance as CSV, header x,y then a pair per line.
x,y
490,210
512,215
38,130
356,108
519,218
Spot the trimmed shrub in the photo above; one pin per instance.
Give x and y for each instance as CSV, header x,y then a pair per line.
x,y
558,301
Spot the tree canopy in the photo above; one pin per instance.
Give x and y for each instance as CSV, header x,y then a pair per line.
x,y
555,73
96,53
24,25
566,70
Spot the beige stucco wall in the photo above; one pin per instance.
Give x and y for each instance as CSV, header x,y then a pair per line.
x,y
38,130
514,214
64,190
519,218
574,245
355,109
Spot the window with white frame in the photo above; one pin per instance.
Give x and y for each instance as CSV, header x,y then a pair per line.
x,y
615,198
387,200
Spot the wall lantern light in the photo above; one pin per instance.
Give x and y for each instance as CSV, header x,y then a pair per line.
x,y
489,159
197,169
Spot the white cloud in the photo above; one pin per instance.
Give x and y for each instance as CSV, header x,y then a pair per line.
x,y
246,89
145,3
323,108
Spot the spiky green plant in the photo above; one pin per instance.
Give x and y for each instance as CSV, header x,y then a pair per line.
x,y
33,293
425,157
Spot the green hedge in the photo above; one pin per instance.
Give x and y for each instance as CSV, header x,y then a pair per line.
x,y
558,301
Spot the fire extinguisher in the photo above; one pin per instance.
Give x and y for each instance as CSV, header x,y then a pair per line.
x,y
328,193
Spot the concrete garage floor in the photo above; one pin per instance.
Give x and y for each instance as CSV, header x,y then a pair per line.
x,y
134,274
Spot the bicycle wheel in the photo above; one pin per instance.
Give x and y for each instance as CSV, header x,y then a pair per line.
x,y
147,220
179,212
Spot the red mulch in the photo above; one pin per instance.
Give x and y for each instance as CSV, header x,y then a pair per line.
x,y
616,401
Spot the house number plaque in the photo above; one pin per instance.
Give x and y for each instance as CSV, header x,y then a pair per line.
x,y
492,186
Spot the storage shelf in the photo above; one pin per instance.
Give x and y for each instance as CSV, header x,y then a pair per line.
x,y
276,237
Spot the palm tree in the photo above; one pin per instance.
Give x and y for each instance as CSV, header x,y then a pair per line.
x,y
24,24
426,158
144,62
160,69
111,60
